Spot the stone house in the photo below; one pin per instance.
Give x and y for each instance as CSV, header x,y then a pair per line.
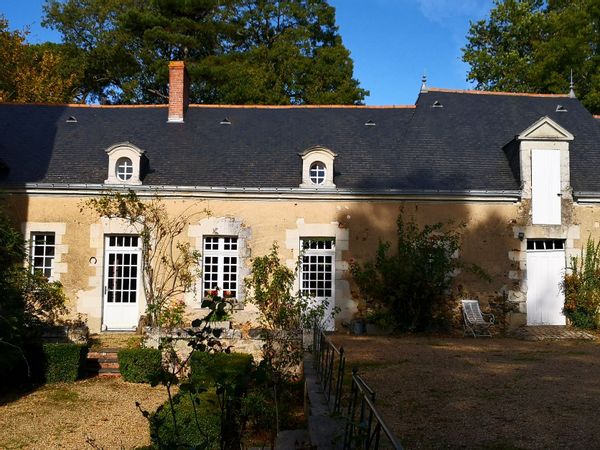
x,y
518,169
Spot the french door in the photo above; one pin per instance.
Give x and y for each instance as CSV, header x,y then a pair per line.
x,y
317,274
122,265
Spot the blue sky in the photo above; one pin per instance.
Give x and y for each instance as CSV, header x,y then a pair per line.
x,y
392,42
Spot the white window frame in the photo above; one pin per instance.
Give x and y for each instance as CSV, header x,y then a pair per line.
x,y
45,247
124,169
221,253
318,252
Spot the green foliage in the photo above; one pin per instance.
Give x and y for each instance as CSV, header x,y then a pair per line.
x,y
28,302
268,52
582,288
532,45
412,284
63,362
32,73
209,369
170,267
198,422
140,365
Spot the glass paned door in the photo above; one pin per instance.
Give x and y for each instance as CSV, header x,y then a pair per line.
x,y
121,282
317,274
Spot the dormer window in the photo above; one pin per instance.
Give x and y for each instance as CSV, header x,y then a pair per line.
x,y
317,168
124,164
317,172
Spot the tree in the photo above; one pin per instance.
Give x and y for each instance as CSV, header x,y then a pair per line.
x,y
31,73
170,267
532,46
237,51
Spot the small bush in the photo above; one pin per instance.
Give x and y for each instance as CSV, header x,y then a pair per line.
x,y
207,369
198,423
582,288
140,365
63,362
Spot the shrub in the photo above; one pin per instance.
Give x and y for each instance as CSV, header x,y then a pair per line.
x,y
140,365
582,288
208,369
411,285
198,423
63,362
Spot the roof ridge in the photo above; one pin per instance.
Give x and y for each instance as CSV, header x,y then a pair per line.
x,y
206,105
82,105
477,92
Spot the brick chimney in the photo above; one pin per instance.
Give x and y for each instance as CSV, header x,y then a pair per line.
x,y
179,82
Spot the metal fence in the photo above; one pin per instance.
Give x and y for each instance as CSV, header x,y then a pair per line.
x,y
330,364
365,428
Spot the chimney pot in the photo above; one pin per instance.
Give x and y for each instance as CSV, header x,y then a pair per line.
x,y
178,91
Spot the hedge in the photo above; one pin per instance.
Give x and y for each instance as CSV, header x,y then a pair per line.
x,y
197,429
207,369
139,365
63,362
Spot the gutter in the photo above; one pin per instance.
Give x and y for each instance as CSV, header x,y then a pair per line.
x,y
245,193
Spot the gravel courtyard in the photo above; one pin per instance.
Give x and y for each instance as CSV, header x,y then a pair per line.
x,y
495,393
89,414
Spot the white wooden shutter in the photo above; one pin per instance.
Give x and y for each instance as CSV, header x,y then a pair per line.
x,y
545,187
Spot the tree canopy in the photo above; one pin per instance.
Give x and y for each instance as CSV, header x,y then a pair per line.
x,y
236,51
532,46
33,73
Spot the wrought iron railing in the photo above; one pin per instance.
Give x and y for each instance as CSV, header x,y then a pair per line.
x,y
365,428
330,364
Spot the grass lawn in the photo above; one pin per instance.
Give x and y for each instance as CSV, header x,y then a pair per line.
x,y
94,413
495,393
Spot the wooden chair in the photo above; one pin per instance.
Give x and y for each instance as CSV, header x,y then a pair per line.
x,y
474,321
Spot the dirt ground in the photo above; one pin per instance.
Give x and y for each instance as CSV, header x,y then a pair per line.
x,y
495,393
89,414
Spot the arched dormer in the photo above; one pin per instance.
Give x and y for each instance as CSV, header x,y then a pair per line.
x,y
124,164
317,167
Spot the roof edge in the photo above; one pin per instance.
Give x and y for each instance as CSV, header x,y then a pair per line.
x,y
206,105
516,94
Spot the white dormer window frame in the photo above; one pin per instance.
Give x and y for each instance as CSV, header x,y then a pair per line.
x,y
544,162
124,164
317,168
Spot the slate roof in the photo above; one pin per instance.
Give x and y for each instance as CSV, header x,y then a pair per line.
x,y
456,147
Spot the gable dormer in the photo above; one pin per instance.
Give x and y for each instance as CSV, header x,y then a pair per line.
x,y
544,162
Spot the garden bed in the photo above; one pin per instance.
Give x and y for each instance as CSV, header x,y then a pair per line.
x,y
486,393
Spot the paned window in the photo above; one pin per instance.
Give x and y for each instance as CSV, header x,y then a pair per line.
x,y
317,269
545,244
122,269
42,253
124,169
317,172
220,266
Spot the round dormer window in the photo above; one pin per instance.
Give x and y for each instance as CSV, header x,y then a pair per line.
x,y
317,172
124,169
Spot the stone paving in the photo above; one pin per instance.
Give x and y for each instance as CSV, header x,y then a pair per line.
x,y
551,333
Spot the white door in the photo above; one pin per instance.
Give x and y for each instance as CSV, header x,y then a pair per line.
x,y
122,264
545,187
317,274
545,271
